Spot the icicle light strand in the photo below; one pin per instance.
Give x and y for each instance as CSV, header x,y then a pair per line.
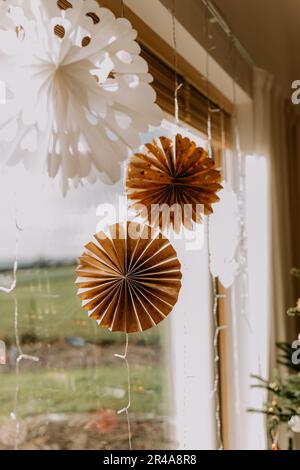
x,y
243,252
126,409
217,327
124,356
21,356
243,255
216,389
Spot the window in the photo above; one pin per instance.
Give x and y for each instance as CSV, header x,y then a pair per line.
x,y
77,382
69,398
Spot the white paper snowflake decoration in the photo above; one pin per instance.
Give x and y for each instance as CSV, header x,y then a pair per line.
x,y
81,92
224,233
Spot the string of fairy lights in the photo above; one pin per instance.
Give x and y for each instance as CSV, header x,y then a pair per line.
x,y
124,357
21,356
211,110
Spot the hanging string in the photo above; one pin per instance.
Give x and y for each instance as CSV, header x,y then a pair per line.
x,y
126,409
223,147
178,85
215,393
209,129
122,9
210,108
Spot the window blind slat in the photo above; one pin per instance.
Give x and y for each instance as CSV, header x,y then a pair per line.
x,y
193,105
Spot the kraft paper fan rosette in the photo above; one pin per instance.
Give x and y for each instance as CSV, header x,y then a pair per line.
x,y
129,279
79,92
173,173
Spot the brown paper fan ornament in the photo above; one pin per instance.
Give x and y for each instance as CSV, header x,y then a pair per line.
x,y
129,280
173,173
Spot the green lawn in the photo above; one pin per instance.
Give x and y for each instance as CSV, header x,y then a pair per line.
x,y
50,310
82,391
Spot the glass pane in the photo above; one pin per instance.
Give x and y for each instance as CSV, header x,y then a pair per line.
x,y
69,399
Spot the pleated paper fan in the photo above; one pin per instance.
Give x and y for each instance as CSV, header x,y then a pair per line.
x,y
81,92
129,280
173,173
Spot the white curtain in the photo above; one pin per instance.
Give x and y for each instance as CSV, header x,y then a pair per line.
x,y
273,122
248,315
255,325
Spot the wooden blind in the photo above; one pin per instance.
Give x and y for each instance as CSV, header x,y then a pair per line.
x,y
193,105
192,96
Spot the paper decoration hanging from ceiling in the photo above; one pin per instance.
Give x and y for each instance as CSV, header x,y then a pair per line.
x,y
173,173
79,93
129,280
224,235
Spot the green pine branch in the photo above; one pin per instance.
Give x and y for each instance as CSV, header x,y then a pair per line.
x,y
285,356
295,272
293,312
284,401
283,393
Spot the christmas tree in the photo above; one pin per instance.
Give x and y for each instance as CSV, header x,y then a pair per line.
x,y
283,405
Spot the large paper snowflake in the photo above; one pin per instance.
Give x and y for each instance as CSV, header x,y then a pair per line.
x,y
78,89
